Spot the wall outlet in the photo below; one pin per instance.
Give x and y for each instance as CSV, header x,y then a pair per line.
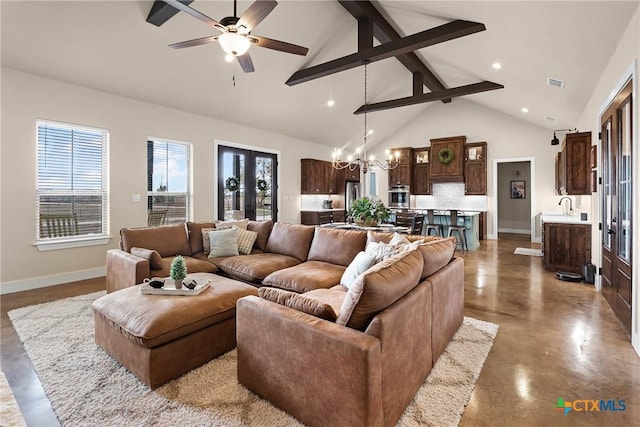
x,y
135,197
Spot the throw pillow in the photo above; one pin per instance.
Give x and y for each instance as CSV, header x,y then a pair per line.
x,y
155,260
246,239
398,240
223,225
205,239
223,242
381,251
299,302
361,263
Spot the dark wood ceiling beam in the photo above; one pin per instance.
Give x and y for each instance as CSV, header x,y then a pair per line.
x,y
365,34
384,32
429,97
442,33
162,12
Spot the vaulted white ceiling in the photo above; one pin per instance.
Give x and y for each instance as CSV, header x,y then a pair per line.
x,y
109,46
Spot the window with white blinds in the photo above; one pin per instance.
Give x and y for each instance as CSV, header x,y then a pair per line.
x,y
72,182
168,182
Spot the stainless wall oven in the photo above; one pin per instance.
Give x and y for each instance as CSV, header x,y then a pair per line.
x,y
399,196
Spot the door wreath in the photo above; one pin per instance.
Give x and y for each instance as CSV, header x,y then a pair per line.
x,y
262,184
445,156
232,184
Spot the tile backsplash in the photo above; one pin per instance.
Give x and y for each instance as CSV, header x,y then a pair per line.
x,y
449,195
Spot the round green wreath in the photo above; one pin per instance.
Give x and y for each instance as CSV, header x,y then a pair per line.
x,y
262,184
445,156
232,184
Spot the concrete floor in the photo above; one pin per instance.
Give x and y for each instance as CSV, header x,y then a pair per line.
x,y
556,340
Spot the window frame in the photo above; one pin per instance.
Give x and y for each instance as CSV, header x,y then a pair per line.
x,y
55,243
189,193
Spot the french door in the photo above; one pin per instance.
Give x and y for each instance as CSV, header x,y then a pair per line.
x,y
617,201
247,184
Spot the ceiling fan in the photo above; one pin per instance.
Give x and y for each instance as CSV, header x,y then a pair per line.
x,y
236,38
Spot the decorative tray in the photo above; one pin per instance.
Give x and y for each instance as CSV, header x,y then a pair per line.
x,y
169,289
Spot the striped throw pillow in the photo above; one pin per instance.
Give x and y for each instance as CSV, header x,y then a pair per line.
x,y
246,239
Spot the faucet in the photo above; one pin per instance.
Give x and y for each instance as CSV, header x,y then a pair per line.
x,y
570,204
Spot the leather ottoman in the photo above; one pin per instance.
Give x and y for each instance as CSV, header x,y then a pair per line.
x,y
161,337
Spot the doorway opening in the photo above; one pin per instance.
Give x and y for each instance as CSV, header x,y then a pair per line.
x,y
514,199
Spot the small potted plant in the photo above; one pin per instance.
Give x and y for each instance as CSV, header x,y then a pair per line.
x,y
368,212
178,271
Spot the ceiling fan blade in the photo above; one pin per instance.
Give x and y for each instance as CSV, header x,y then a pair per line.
x,y
198,15
246,63
256,13
278,45
194,42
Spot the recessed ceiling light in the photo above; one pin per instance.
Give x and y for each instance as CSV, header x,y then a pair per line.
x,y
496,66
228,57
331,103
524,110
370,131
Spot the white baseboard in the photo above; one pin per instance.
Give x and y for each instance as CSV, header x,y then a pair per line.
x,y
44,281
514,230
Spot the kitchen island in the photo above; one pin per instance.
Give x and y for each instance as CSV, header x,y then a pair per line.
x,y
470,219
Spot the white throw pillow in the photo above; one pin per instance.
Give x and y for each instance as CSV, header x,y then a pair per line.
x,y
223,242
398,240
381,251
223,225
361,263
246,239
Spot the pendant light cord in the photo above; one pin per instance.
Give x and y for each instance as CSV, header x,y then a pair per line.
x,y
365,110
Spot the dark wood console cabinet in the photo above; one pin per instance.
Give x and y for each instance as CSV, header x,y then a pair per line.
x,y
566,246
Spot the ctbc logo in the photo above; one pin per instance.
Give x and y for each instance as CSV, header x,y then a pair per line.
x,y
590,405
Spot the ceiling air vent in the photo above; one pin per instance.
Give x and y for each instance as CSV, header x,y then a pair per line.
x,y
555,82
549,118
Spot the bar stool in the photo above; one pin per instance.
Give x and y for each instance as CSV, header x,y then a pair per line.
x,y
460,229
431,224
411,220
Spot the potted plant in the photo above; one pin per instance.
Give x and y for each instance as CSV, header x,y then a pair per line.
x,y
178,271
368,212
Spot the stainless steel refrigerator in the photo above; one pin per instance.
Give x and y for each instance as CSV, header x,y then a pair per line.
x,y
352,192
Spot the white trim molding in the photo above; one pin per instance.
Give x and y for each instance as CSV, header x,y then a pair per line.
x,y
45,281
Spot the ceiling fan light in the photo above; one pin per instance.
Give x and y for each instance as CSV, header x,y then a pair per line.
x,y
234,43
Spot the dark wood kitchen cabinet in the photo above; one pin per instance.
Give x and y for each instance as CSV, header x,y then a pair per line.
x,y
573,165
403,173
321,217
452,171
475,168
420,184
320,177
566,246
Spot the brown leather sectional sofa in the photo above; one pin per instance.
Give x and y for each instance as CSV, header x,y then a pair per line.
x,y
363,365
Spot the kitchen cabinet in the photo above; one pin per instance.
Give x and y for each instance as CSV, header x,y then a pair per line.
x,y
566,246
351,175
452,171
475,168
573,169
321,217
319,177
403,173
420,184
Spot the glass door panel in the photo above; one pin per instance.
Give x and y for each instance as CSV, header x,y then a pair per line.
x,y
233,179
606,185
264,185
624,182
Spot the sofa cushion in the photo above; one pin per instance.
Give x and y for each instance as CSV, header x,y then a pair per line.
x,y
299,302
379,287
194,265
361,263
246,239
436,254
223,242
168,240
306,277
255,267
196,235
336,246
223,225
155,260
206,242
263,228
290,239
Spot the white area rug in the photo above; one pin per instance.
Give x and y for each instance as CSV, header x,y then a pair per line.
x,y
10,415
528,251
87,387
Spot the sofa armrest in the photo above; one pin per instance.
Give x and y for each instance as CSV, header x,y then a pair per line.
x,y
448,305
125,270
315,370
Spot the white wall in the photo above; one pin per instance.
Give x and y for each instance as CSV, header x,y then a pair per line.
x,y
623,62
26,97
506,137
